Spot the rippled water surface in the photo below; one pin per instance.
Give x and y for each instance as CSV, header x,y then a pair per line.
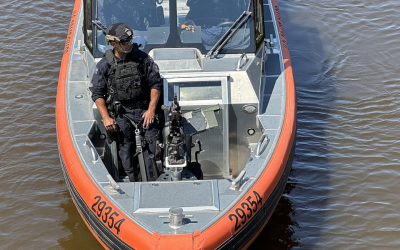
x,y
342,192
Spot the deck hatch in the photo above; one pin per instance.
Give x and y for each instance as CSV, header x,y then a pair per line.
x,y
191,196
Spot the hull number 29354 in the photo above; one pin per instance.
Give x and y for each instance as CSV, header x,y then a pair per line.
x,y
106,214
247,210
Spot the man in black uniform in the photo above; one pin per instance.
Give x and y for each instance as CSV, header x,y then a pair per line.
x,y
126,89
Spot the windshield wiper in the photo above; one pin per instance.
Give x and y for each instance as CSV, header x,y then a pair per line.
x,y
100,26
229,34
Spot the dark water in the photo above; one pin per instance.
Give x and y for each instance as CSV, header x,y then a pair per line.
x,y
342,192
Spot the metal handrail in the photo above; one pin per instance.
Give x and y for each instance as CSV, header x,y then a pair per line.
x,y
259,150
239,66
95,155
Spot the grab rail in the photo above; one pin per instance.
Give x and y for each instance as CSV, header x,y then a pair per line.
x,y
260,150
239,65
95,155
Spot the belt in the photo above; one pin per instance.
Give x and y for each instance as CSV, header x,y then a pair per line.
x,y
136,105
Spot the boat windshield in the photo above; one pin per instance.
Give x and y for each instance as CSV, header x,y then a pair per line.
x,y
176,23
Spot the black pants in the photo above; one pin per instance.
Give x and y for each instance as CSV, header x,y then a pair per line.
x,y
128,148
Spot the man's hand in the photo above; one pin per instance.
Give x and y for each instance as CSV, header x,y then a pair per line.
x,y
148,118
109,124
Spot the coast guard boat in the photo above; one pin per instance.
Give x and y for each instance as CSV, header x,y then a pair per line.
x,y
228,138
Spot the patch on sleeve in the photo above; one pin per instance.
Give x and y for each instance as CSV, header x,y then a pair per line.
x,y
155,67
152,65
96,71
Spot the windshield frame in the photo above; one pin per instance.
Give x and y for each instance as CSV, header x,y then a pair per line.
x,y
173,41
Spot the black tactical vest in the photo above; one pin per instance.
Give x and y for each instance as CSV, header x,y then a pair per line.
x,y
126,81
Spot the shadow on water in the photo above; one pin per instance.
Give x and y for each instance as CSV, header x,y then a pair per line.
x,y
298,220
278,233
80,237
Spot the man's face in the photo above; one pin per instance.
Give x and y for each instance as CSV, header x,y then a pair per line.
x,y
124,45
126,42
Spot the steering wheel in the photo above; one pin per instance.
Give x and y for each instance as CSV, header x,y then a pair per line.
x,y
209,21
225,24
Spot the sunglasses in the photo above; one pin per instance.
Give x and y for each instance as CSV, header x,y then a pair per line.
x,y
126,41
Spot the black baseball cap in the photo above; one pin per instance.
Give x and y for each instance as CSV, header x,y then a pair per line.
x,y
118,32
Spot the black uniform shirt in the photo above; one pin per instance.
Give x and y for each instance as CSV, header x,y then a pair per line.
x,y
148,69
